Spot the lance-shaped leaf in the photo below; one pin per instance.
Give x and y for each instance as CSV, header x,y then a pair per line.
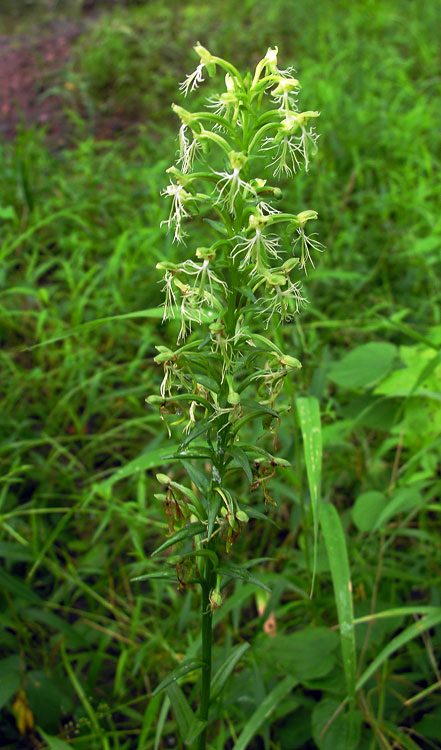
x,y
189,725
235,571
242,459
264,711
192,529
224,671
187,666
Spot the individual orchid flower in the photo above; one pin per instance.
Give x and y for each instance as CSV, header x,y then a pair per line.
x,y
177,212
193,80
306,242
231,183
187,149
285,299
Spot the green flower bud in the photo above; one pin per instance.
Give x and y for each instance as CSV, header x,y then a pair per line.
x,y
289,264
205,253
242,516
291,362
167,266
206,58
163,479
276,279
305,216
237,159
154,400
233,398
188,118
215,599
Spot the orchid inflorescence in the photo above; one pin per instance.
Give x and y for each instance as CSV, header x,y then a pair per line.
x,y
225,374
244,278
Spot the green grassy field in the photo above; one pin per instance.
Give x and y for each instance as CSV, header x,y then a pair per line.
x,y
82,647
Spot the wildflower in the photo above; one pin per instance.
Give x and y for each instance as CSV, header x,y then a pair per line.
x,y
307,242
285,298
283,95
203,274
191,420
170,298
225,105
270,63
193,80
187,150
290,147
177,211
256,249
230,183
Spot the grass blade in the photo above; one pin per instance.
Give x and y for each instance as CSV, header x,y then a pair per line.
x,y
146,461
338,559
308,411
426,622
264,711
83,698
155,312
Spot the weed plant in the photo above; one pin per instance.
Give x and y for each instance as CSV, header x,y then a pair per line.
x,y
85,645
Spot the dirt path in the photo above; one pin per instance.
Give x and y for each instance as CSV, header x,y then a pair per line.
x,y
29,68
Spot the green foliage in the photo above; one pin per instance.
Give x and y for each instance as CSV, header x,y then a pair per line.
x,y
79,243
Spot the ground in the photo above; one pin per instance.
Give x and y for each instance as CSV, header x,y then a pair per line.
x,y
34,88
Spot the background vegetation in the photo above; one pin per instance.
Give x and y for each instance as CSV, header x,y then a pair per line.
x,y
81,646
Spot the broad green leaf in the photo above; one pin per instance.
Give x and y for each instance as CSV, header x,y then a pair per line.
x,y
307,654
342,732
264,711
367,510
403,500
187,666
421,367
308,410
236,571
413,631
364,366
338,559
192,529
224,671
9,684
47,700
54,743
189,725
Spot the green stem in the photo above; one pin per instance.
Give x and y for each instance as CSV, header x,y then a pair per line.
x,y
207,638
